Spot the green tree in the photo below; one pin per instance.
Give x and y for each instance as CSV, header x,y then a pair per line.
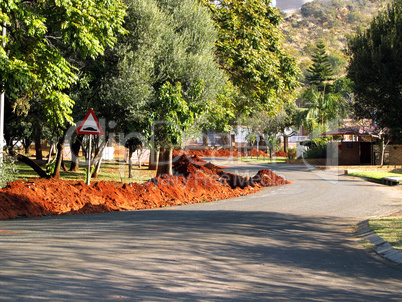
x,y
375,69
344,87
269,126
172,116
320,74
312,8
291,115
26,124
250,50
165,64
42,39
33,63
323,107
220,112
323,103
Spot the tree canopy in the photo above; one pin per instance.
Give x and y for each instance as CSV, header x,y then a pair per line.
x,y
250,50
161,76
320,73
169,41
375,69
323,107
42,37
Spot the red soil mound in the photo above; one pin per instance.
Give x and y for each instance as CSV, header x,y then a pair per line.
x,y
214,153
184,165
254,152
224,153
280,154
197,181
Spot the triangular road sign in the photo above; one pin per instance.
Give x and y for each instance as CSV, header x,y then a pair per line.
x,y
90,125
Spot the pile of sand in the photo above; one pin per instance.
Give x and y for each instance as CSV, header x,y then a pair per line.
x,y
195,181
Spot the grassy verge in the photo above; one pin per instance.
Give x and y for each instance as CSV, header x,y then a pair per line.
x,y
375,175
109,171
260,159
389,228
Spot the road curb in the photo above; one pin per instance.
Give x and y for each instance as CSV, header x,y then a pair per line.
x,y
382,247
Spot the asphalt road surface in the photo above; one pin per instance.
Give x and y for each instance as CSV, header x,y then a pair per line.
x,y
293,243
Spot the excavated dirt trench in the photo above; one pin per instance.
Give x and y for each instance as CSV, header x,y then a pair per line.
x,y
195,181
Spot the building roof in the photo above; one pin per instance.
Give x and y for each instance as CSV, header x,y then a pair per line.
x,y
355,130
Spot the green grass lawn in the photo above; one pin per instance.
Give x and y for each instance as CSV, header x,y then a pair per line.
x,y
110,171
375,175
389,228
260,159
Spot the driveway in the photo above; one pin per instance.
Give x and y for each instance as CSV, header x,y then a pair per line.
x,y
292,242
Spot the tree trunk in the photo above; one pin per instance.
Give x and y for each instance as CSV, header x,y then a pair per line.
x,y
205,139
165,162
59,157
383,146
130,162
225,139
381,151
27,143
153,159
49,157
139,152
38,142
31,163
75,150
98,159
285,143
97,168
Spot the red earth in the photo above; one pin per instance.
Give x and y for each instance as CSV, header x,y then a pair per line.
x,y
235,153
215,153
195,181
224,153
280,153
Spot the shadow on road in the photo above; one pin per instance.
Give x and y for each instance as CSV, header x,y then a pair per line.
x,y
189,256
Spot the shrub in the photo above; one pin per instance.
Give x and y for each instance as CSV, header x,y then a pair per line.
x,y
291,153
318,149
8,169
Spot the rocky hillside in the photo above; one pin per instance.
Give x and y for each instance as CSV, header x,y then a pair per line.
x,y
331,22
289,5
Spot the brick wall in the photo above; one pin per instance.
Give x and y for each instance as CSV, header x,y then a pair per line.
x,y
310,161
349,153
348,169
395,154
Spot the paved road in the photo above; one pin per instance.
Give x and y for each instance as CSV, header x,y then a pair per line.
x,y
292,242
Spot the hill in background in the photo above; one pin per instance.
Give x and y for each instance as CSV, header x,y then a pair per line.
x,y
289,5
331,22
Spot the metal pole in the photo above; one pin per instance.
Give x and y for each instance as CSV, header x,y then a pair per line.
x,y
2,101
258,142
89,161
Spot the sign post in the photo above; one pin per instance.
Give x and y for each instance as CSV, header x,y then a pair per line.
x,y
89,160
90,125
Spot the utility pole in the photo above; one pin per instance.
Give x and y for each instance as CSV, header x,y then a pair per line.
x,y
2,101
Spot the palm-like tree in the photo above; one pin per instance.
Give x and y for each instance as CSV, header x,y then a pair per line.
x,y
323,107
322,103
